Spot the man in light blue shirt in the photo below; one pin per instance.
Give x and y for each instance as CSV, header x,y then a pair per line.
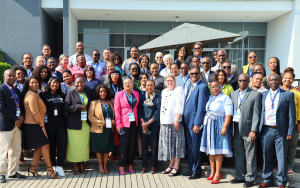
x,y
99,67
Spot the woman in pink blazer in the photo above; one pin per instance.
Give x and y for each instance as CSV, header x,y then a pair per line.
x,y
126,119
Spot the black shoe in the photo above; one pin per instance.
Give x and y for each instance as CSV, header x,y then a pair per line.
x,y
195,176
248,184
235,180
189,173
2,179
17,175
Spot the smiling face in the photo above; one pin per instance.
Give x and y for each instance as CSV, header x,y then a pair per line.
x,y
170,83
227,68
9,77
195,75
174,70
79,84
272,64
39,61
46,51
115,77
154,69
143,79
144,62
64,61
252,58
134,70
221,56
20,75
117,60
81,61
134,53
54,85
159,57
127,84
221,77
33,85
67,78
89,72
96,56
51,64
79,47
102,93
215,88
27,60
257,80
198,50
150,86
168,62
44,74
106,55
182,52
206,63
110,66
287,79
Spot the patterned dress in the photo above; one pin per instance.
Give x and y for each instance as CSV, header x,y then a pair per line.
x,y
212,142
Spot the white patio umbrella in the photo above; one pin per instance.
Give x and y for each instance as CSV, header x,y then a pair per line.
x,y
188,34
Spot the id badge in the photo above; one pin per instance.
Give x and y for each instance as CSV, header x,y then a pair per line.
x,y
273,118
131,116
236,116
55,112
83,115
46,118
18,112
108,122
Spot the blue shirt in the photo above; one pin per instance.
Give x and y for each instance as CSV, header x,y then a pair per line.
x,y
92,84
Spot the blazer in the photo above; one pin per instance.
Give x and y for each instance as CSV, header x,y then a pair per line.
x,y
250,111
35,109
96,118
285,113
203,79
194,111
8,108
122,109
147,112
73,108
234,82
245,69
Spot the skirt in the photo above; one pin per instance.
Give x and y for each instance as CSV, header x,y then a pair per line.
x,y
212,142
102,142
34,136
78,148
171,142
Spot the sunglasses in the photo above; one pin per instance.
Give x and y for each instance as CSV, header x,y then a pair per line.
x,y
252,57
96,54
134,69
158,57
194,73
206,63
52,62
197,48
226,67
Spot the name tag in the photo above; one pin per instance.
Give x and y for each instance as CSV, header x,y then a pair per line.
x,y
55,112
18,112
46,118
272,118
83,115
236,116
131,116
108,122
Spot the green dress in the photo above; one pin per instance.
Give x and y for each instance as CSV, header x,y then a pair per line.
x,y
78,148
103,142
227,89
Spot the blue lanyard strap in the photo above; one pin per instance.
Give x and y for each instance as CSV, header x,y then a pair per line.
x,y
160,68
61,67
44,84
21,88
250,71
96,65
186,79
114,88
289,89
105,106
240,98
55,100
15,96
145,70
130,99
132,61
82,98
228,78
80,67
272,100
167,70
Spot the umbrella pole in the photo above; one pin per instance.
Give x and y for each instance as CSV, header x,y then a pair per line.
x,y
188,48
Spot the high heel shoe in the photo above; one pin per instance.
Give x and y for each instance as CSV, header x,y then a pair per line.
x,y
122,173
131,171
210,178
82,170
76,172
50,175
216,181
35,174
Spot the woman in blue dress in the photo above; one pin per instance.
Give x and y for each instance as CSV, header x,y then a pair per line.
x,y
216,133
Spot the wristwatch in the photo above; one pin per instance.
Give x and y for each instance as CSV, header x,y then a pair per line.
x,y
177,120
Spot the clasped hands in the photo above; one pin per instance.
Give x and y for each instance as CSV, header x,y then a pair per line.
x,y
19,121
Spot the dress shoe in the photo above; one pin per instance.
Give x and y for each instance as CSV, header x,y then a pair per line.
x,y
195,176
235,180
17,175
189,173
263,184
281,186
248,184
2,179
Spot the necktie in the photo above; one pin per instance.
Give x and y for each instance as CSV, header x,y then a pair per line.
x,y
270,110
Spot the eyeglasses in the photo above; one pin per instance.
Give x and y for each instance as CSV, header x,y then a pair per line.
x,y
206,63
226,67
213,87
169,80
134,69
197,48
243,81
115,74
252,57
194,73
158,57
96,54
127,84
184,68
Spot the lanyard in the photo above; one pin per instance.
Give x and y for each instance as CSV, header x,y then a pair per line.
x,y
212,99
167,71
21,88
61,67
135,60
114,88
55,101
289,89
186,79
142,90
250,71
160,68
14,95
82,98
105,106
80,67
130,99
145,71
272,100
96,66
66,88
45,85
241,100
228,78
26,71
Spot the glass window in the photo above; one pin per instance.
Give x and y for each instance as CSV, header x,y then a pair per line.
x,y
234,27
89,39
114,40
148,27
112,27
88,26
88,50
236,44
255,28
139,40
215,45
257,42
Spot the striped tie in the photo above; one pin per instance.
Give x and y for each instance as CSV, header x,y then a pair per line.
x,y
270,110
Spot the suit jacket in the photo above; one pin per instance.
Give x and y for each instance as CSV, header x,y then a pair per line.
x,y
59,76
194,111
8,108
234,82
250,111
122,109
234,69
96,118
179,82
285,113
73,108
147,112
203,79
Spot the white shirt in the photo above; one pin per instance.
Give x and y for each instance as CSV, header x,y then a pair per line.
x,y
72,59
267,104
241,95
262,89
100,68
165,72
206,75
172,103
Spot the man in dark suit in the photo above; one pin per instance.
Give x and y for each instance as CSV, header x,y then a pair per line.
x,y
206,74
193,116
277,127
11,118
247,112
52,64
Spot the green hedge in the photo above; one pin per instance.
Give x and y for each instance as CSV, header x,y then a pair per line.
x,y
3,67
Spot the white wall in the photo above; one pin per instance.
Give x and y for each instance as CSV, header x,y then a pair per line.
x,y
73,32
282,36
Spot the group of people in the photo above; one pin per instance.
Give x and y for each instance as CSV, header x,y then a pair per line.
x,y
64,108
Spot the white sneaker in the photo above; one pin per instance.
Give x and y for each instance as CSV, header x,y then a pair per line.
x,y
60,171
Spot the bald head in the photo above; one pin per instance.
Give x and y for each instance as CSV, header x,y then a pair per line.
x,y
274,81
243,81
9,77
222,56
79,47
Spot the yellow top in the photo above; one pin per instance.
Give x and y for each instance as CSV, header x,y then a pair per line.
x,y
246,68
297,103
227,90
